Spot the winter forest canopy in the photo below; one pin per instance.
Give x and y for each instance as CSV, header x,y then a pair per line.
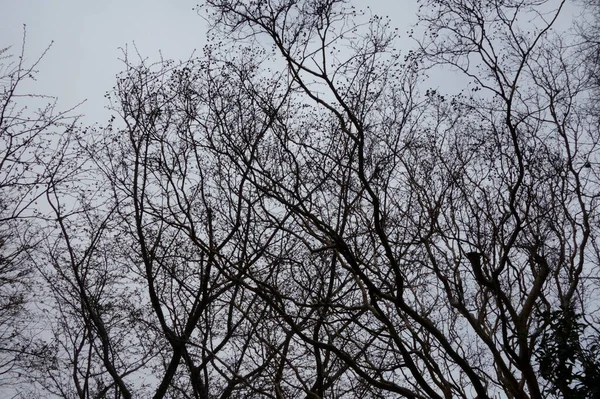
x,y
298,213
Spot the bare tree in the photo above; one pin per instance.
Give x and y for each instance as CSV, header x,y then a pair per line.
x,y
149,264
26,137
460,219
292,215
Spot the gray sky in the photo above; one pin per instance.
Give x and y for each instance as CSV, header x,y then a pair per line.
x,y
83,60
87,35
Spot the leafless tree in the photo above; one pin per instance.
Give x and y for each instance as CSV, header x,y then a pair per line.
x,y
153,236
26,135
293,215
460,219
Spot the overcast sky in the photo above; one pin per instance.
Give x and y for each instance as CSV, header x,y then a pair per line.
x,y
87,35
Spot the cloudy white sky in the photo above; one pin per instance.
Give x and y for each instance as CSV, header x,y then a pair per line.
x,y
87,37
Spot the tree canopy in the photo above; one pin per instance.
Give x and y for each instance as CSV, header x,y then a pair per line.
x,y
297,213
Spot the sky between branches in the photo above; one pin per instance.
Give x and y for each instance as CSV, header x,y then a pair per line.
x,y
88,37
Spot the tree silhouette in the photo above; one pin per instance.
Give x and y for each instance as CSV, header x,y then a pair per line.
x,y
296,214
